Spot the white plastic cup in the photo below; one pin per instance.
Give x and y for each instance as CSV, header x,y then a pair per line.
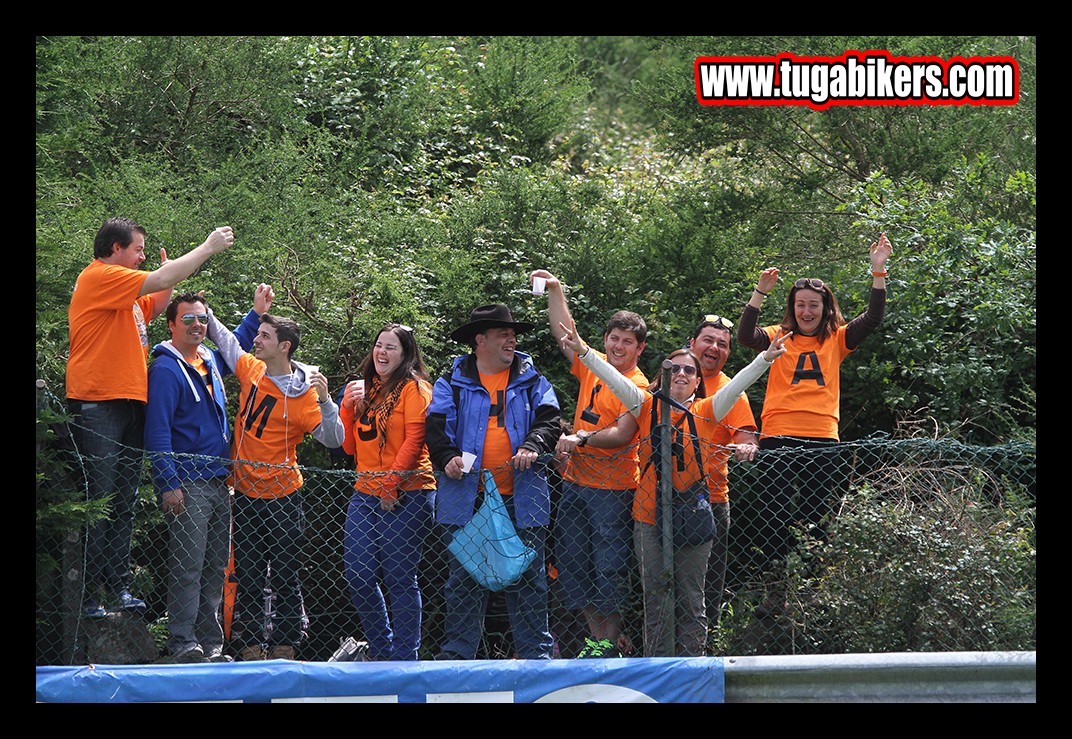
x,y
467,461
539,285
358,389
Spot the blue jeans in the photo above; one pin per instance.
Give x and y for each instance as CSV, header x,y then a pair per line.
x,y
198,549
593,531
109,435
386,547
466,603
268,538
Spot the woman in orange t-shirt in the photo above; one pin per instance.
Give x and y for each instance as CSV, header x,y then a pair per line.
x,y
390,511
801,409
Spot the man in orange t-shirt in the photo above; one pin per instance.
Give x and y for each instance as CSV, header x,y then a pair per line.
x,y
594,526
107,381
281,400
711,344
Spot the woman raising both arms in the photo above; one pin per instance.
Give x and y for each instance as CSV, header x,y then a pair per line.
x,y
801,408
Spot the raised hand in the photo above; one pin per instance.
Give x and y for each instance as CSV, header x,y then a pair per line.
x,y
220,239
777,347
768,278
880,252
262,298
570,339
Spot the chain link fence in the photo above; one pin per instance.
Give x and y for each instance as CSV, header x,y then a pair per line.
x,y
877,545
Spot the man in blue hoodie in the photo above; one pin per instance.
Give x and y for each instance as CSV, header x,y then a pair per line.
x,y
188,439
496,406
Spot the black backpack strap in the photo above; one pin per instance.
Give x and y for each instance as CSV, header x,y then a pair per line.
x,y
656,446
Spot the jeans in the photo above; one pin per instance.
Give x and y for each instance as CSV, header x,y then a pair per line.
x,y
382,550
593,529
466,603
268,538
109,435
198,549
677,605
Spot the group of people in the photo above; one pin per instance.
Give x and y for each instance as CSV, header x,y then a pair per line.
x,y
419,445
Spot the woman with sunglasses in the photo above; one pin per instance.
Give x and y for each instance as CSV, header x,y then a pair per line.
x,y
801,408
390,512
687,395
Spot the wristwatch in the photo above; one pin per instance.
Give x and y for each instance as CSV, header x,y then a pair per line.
x,y
583,436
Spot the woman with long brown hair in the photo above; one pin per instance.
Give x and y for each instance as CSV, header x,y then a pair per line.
x,y
801,408
390,512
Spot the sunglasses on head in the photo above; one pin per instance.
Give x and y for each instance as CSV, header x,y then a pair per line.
x,y
401,326
717,321
813,283
688,369
189,318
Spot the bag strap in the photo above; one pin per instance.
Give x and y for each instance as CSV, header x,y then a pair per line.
x,y
655,447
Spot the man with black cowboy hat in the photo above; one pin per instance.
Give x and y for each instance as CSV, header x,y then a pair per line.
x,y
494,405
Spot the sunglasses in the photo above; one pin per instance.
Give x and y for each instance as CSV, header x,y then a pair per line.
x,y
810,282
189,318
403,327
688,369
716,321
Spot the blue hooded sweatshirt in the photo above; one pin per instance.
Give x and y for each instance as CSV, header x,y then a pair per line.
x,y
183,418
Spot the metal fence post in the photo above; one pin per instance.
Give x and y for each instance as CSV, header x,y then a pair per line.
x,y
666,497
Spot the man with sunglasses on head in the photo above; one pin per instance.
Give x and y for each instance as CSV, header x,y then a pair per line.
x,y
736,433
188,439
107,387
801,409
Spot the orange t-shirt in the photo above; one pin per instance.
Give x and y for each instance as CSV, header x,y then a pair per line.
x,y
597,408
713,446
363,441
684,469
109,340
804,387
498,451
267,431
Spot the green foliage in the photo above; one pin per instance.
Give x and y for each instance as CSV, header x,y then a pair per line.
x,y
411,178
921,560
61,503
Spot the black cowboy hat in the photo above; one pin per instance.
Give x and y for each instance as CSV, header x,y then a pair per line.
x,y
481,319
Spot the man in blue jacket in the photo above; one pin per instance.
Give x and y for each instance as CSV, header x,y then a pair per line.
x,y
188,439
497,407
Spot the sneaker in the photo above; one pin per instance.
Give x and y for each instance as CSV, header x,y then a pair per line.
x,y
282,651
128,602
93,609
251,654
351,650
187,656
216,655
601,649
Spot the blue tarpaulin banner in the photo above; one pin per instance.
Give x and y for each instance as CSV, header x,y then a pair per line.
x,y
662,680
